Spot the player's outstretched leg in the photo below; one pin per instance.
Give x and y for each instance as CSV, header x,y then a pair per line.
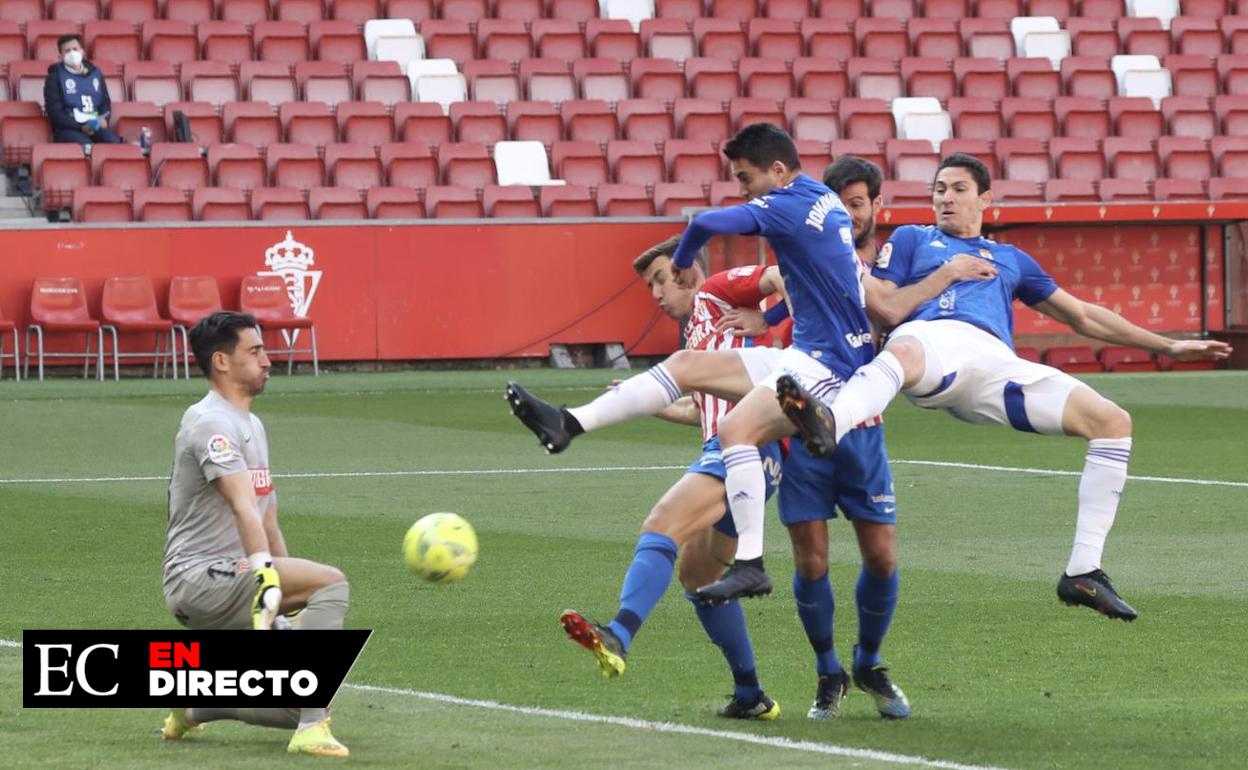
x,y
744,579
551,425
1093,589
813,420
874,681
598,639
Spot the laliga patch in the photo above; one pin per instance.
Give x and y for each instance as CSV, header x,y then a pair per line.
x,y
886,253
219,450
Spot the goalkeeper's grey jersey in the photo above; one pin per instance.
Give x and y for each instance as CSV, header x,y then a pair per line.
x,y
215,439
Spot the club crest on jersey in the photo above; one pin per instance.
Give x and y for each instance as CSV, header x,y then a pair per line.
x,y
886,254
71,87
219,449
986,254
95,83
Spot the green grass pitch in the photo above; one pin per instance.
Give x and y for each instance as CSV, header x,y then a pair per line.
x,y
998,672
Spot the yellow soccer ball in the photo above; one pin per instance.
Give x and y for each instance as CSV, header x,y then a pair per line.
x,y
440,548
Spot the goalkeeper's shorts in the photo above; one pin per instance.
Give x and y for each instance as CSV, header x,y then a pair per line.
x,y
211,594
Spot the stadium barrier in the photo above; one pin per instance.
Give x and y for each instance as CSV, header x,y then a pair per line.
x,y
508,289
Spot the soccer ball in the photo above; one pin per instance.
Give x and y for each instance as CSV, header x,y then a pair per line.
x,y
440,547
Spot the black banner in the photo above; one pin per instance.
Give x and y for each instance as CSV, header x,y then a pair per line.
x,y
142,669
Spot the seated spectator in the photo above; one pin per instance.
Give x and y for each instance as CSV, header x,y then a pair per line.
x,y
75,97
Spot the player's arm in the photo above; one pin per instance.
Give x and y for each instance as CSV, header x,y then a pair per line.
x,y
735,220
239,493
1103,324
891,305
756,322
277,541
683,411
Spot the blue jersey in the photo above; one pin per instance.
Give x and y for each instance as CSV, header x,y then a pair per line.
x,y
915,252
812,235
85,92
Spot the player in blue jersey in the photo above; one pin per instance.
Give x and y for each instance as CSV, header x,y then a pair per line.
x,y
75,97
956,354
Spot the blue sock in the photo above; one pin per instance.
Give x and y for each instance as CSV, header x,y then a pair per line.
x,y
644,584
877,598
725,625
816,606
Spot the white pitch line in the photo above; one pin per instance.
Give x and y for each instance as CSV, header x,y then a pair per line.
x,y
614,469
671,727
659,727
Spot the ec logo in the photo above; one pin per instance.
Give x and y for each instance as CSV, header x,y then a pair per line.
x,y
47,667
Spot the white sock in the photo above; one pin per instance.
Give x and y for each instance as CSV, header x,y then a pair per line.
x,y
1104,474
309,717
867,393
746,488
638,396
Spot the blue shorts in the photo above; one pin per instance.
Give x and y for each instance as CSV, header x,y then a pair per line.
x,y
712,464
856,479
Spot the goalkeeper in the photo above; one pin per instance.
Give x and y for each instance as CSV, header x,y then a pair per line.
x,y
225,563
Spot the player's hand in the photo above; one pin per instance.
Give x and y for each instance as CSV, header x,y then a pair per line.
x,y
268,598
966,267
1199,350
747,322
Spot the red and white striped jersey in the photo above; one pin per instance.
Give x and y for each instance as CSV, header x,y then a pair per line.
x,y
721,292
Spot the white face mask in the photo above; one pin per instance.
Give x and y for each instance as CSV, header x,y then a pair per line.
x,y
73,59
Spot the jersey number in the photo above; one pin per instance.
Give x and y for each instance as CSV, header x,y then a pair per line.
x,y
88,103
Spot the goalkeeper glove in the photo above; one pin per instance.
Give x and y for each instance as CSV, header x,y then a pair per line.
x,y
268,597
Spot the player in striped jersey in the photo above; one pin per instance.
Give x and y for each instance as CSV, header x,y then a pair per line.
x,y
691,517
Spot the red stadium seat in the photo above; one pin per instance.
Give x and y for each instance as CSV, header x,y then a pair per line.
x,y
672,198
558,38
22,11
766,79
1143,36
192,298
1120,359
720,38
206,125
337,40
246,11
726,193
1232,114
307,11
122,166
829,39
982,78
814,119
987,38
251,123
1024,159
936,36
41,37
364,123
613,38
863,148
59,306
1222,188
282,41
839,9
509,202
448,38
815,155
1185,157
451,202
1168,364
179,166
422,123
776,38
295,166
504,39
1189,116
1179,189
20,133
820,79
209,81
278,203
703,119
657,79
358,11
1196,35
567,201
690,160
928,76
712,78
624,200
1089,76
160,204
579,163
236,165
154,82
522,10
478,122
580,11
1193,76
264,297
1073,359
323,81
547,80
112,40
101,204
980,148
897,194
394,203
388,89
170,41
635,163
737,10
1027,353
534,121
217,204
1136,117
190,11
1094,36
1071,191
874,77
744,111
1109,9
465,165
1131,158
353,165
308,123
866,119
1033,78
1029,118
1124,190
409,165
57,170
975,118
884,37
225,41
589,120
1077,158
645,120
911,160
1082,117
12,41
601,79
330,203
1230,153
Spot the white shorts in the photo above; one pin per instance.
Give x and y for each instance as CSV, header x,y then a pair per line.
x,y
813,375
759,361
976,377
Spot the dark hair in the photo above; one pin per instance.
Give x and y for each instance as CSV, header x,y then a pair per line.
x,y
848,169
974,166
663,249
217,332
763,144
63,39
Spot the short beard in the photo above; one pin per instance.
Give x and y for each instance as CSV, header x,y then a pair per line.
x,y
867,235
